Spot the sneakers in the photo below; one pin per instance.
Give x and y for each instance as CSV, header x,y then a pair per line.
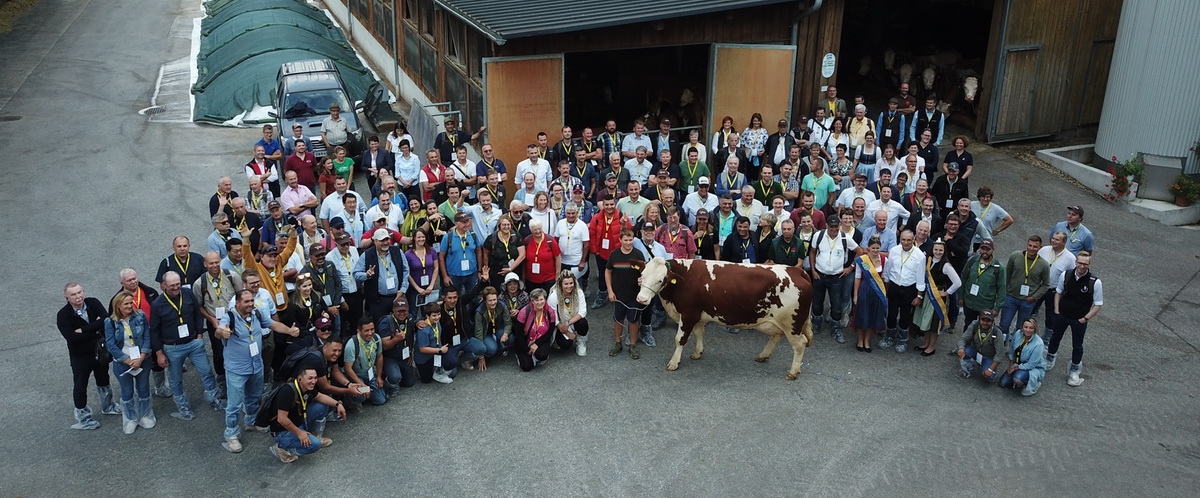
x,y
325,442
233,445
963,374
598,303
467,365
255,428
283,455
439,375
633,352
837,334
648,339
615,349
1049,361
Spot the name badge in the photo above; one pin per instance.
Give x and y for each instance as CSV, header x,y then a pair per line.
x,y
604,244
187,287
327,300
279,298
465,265
220,311
456,341
183,331
253,349
404,354
1024,290
370,374
745,260
949,203
437,361
974,289
887,133
512,263
979,358
691,189
537,267
390,282
424,280
132,352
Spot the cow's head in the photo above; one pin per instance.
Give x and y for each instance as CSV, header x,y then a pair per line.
x,y
889,59
970,86
928,76
656,274
906,72
864,65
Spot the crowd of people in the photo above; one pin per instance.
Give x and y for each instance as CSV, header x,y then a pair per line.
x,y
316,298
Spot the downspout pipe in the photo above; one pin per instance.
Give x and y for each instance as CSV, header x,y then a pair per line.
x,y
807,12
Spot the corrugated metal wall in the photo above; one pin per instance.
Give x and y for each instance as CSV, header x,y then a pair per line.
x,y
1152,98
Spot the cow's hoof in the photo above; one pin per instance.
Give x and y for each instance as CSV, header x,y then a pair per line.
x,y
696,356
791,376
762,359
671,367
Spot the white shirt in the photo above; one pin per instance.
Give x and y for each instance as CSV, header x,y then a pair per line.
x,y
754,211
463,172
905,268
395,216
548,217
296,262
1059,265
831,256
693,203
541,172
571,239
895,212
846,198
332,205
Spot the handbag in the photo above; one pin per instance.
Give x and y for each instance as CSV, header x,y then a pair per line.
x,y
102,353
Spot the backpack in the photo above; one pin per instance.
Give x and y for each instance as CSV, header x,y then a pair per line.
x,y
288,367
266,410
845,247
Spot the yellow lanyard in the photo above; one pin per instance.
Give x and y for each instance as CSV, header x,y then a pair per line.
x,y
1056,256
1020,349
178,309
1072,237
383,261
421,259
437,334
567,149
308,304
985,210
905,259
137,298
491,317
581,171
746,249
763,187
250,325
462,241
303,403
256,201
982,268
452,137
128,332
692,169
216,283
981,336
1029,264
732,178
183,266
538,251
369,349
673,236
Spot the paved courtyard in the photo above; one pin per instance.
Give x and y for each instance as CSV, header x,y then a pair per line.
x,y
101,188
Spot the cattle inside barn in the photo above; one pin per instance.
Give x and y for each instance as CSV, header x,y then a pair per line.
x,y
773,299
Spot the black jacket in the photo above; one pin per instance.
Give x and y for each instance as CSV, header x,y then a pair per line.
x,y
84,343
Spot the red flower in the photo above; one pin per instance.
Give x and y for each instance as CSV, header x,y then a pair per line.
x,y
1114,158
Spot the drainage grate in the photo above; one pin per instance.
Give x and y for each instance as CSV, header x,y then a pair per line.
x,y
9,117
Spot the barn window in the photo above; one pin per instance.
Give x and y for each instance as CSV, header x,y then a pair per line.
x,y
384,23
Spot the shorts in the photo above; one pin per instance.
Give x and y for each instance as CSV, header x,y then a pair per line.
x,y
622,313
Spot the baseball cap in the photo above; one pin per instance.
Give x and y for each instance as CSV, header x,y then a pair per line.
x,y
663,172
989,314
782,123
610,176
324,323
381,216
461,216
511,277
401,304
273,205
647,226
316,250
893,100
703,181
381,234
337,221
1076,209
987,243
343,238
665,121
270,250
952,167
577,189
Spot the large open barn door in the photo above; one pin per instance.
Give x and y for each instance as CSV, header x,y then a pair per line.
x,y
751,78
522,96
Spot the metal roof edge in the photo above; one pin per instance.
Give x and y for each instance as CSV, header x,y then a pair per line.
x,y
475,23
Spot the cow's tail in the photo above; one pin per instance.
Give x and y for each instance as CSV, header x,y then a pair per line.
x,y
808,333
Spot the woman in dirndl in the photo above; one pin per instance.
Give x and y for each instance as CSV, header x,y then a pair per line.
x,y
870,298
940,281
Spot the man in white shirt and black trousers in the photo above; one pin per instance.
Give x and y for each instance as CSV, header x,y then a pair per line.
x,y
904,273
832,255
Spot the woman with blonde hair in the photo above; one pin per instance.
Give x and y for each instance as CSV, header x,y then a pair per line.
x,y
567,301
127,337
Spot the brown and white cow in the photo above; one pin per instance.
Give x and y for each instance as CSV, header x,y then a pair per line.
x,y
773,299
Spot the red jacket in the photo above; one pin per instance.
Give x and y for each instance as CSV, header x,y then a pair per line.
x,y
600,229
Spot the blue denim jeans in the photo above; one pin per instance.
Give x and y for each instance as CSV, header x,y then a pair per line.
x,y
472,350
128,382
968,362
1016,307
316,416
399,372
1006,380
836,288
492,344
241,390
199,356
377,396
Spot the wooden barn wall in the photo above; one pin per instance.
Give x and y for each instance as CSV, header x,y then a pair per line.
x,y
1073,39
818,34
769,24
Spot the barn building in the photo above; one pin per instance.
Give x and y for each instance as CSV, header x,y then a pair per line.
x,y
1041,66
